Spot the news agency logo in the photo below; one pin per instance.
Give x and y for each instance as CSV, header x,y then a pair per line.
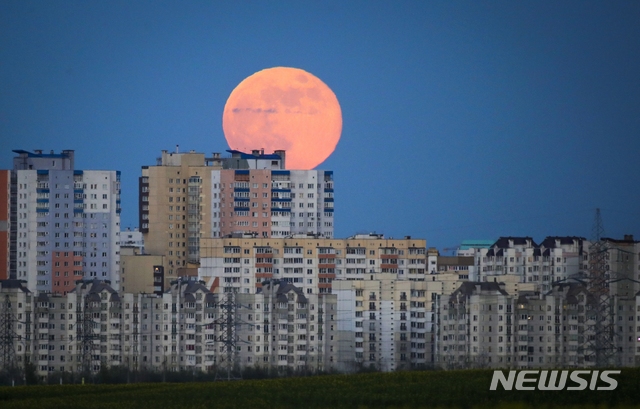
x,y
579,380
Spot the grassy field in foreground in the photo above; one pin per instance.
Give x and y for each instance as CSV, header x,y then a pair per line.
x,y
451,389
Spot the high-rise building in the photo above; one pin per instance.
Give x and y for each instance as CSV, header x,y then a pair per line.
x,y
520,258
187,197
385,322
481,325
240,264
64,222
185,328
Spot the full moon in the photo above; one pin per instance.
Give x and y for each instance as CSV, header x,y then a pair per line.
x,y
287,109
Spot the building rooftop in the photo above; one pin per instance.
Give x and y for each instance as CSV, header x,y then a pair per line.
x,y
476,244
254,155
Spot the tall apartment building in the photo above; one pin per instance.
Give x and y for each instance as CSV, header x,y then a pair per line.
x,y
186,328
481,325
64,222
521,263
240,264
286,329
173,207
187,197
555,259
385,323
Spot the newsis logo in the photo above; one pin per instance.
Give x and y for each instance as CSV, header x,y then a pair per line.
x,y
554,380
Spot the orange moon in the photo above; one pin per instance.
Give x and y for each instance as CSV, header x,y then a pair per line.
x,y
284,108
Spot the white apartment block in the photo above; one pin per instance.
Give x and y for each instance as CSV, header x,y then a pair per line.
x,y
555,259
272,203
287,330
67,222
385,323
482,326
187,328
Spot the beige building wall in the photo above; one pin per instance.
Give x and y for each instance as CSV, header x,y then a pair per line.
x,y
240,264
136,271
175,208
385,323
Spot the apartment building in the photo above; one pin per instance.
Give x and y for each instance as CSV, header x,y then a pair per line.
x,y
17,343
525,265
285,329
64,223
385,323
187,197
239,264
273,203
555,259
173,207
481,325
186,328
473,326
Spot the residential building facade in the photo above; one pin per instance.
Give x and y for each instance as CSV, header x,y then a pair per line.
x,y
185,328
240,264
187,197
385,323
480,325
67,222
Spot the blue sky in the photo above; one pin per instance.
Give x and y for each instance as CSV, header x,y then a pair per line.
x,y
461,119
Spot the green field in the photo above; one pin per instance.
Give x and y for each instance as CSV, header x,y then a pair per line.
x,y
432,389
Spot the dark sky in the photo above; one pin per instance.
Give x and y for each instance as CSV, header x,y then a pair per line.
x,y
462,120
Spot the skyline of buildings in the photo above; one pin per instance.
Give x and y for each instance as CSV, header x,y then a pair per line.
x,y
221,235
380,320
